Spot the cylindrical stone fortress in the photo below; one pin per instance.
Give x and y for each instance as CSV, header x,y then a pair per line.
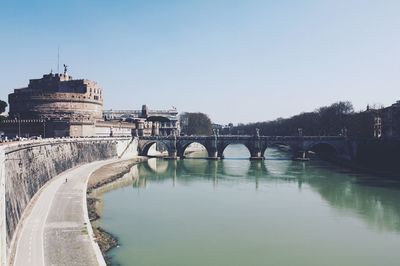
x,y
57,96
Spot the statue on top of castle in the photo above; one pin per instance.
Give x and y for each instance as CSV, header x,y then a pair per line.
x,y
65,69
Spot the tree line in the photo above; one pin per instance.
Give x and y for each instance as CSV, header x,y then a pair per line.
x,y
3,106
195,124
337,119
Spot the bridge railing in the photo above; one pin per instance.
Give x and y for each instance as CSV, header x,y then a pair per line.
x,y
243,137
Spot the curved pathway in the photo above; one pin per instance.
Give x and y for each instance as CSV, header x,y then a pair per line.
x,y
55,231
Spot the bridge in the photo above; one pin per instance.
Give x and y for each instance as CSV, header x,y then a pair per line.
x,y
215,145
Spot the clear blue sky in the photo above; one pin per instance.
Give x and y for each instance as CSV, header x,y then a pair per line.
x,y
238,61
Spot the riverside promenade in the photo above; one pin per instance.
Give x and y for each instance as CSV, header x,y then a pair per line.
x,y
56,229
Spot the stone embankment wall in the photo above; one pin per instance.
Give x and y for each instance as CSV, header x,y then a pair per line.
x,y
26,167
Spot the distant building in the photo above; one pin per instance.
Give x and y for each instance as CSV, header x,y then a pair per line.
x,y
147,121
376,123
390,120
377,127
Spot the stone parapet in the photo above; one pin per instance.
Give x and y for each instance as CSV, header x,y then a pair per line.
x,y
27,165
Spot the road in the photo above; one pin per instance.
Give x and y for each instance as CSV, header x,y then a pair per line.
x,y
54,233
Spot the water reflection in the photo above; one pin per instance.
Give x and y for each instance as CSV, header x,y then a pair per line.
x,y
376,205
241,212
344,191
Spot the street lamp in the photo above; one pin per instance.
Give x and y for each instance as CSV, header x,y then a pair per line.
x,y
44,128
19,124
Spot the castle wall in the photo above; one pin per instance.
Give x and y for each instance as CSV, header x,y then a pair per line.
x,y
82,130
76,105
34,127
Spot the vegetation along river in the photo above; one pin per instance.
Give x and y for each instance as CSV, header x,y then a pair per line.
x,y
240,212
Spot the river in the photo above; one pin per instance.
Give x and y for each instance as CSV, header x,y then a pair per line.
x,y
240,212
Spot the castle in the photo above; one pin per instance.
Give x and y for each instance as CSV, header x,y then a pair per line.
x,y
57,105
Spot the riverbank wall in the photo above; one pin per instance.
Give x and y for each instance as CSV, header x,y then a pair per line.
x,y
25,167
379,157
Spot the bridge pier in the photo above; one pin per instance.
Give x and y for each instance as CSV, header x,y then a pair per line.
x,y
301,155
256,155
256,147
212,153
220,152
172,155
172,149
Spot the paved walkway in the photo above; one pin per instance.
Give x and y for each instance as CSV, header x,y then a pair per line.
x,y
55,231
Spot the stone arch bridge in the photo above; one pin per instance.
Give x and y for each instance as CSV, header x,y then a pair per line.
x,y
215,145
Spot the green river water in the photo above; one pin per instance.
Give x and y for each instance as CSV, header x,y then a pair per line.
x,y
240,212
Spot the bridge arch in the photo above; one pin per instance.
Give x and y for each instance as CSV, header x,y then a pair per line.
x,y
324,150
192,146
223,148
145,147
281,147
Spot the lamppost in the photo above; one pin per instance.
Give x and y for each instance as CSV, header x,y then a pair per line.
x,y
18,116
44,118
44,128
